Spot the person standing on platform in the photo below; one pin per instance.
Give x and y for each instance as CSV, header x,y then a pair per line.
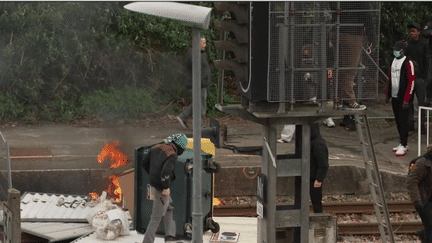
x,y
318,167
417,51
159,164
400,90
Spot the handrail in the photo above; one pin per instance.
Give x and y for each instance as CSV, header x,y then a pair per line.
x,y
427,109
9,169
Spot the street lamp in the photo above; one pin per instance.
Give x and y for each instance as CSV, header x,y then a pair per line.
x,y
198,18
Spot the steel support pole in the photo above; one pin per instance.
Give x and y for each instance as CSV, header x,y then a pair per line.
x,y
267,225
9,165
305,180
14,205
323,51
197,215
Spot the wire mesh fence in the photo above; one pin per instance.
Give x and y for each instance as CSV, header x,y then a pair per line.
x,y
323,51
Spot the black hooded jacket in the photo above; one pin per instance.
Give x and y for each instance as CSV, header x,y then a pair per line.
x,y
319,155
418,51
160,163
419,180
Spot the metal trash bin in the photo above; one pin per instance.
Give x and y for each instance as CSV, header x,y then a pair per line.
x,y
181,193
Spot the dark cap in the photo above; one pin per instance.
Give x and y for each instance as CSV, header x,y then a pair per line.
x,y
414,25
399,45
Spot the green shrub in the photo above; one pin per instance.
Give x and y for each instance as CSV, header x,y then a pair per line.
x,y
10,106
124,103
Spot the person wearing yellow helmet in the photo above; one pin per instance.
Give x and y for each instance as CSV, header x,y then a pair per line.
x,y
159,163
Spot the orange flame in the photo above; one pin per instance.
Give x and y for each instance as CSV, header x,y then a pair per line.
x,y
216,201
93,195
117,191
111,151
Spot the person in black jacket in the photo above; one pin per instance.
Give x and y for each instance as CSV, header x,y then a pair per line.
x,y
160,163
205,82
318,167
400,89
427,34
417,50
419,185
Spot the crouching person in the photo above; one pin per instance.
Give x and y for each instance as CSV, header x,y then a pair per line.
x,y
419,184
160,163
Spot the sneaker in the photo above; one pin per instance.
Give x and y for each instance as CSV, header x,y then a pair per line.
x,y
401,151
183,123
396,148
400,145
280,140
329,122
313,100
354,107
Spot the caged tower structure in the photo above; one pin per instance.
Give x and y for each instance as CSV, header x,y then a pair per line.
x,y
297,63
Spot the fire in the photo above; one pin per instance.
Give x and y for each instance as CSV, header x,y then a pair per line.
x,y
216,201
117,190
93,195
111,151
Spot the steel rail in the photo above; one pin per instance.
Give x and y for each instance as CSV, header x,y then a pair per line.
x,y
402,227
337,208
372,228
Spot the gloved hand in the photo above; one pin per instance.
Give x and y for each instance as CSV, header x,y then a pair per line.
x,y
418,205
405,106
317,184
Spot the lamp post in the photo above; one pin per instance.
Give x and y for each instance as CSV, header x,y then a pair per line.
x,y
198,18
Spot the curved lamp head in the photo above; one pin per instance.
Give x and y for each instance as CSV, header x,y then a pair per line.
x,y
190,15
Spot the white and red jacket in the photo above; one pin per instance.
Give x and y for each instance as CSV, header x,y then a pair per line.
x,y
401,79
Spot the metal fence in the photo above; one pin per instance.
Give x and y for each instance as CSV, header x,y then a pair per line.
x,y
318,51
5,169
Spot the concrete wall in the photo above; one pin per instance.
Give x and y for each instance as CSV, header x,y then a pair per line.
x,y
350,180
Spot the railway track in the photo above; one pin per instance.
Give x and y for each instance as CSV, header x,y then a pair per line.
x,y
340,208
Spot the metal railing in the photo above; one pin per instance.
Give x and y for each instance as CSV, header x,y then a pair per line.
x,y
306,38
8,175
427,110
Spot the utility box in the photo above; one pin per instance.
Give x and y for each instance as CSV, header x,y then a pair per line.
x,y
322,228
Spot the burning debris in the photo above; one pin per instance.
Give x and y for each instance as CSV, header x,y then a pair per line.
x,y
111,151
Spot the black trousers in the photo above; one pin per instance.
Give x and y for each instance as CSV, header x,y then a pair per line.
x,y
420,92
401,118
316,197
426,217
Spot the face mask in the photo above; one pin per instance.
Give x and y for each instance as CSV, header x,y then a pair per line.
x,y
397,53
